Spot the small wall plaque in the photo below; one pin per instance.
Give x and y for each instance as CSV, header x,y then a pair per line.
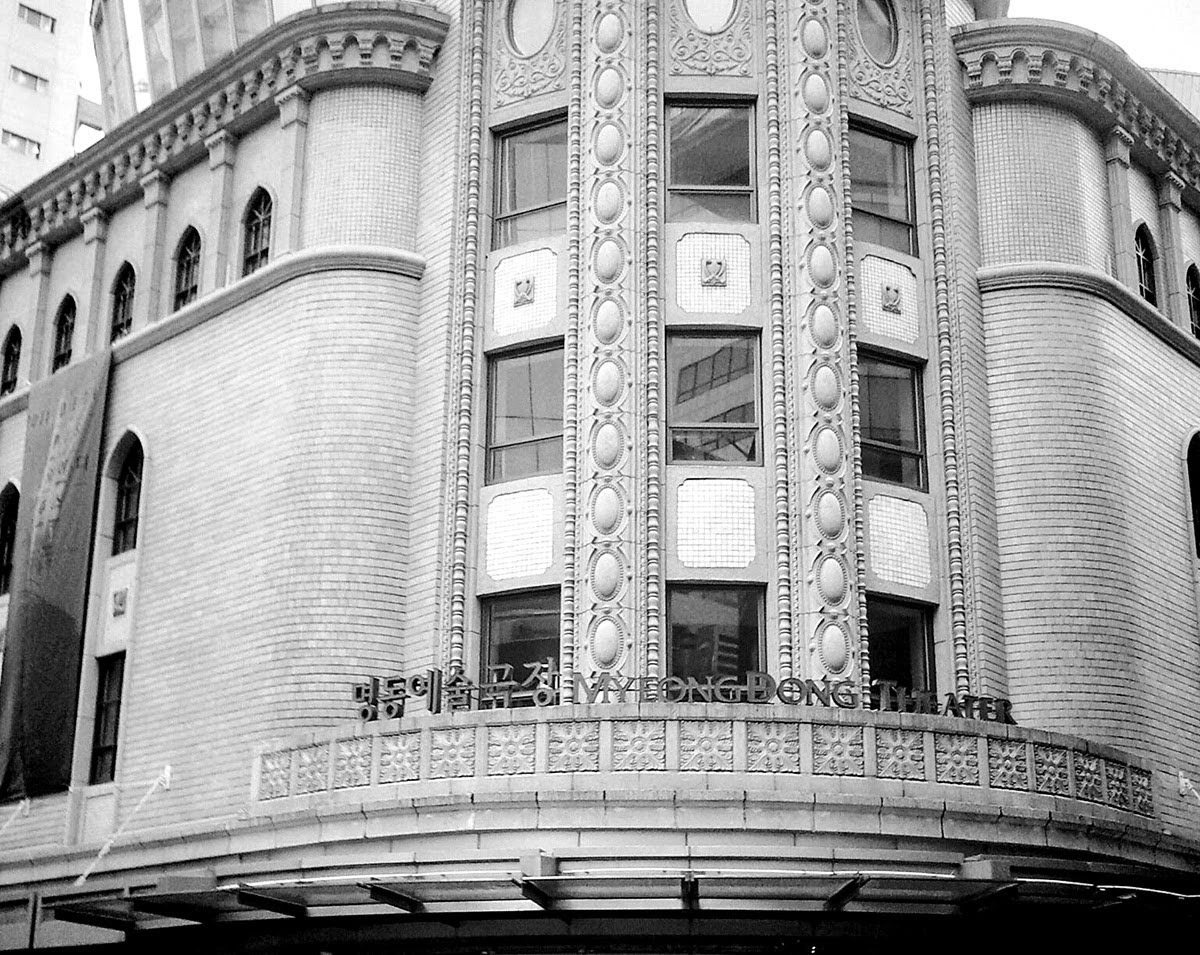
x,y
523,292
712,272
890,298
120,599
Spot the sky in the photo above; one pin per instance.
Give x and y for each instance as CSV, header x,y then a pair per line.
x,y
1157,34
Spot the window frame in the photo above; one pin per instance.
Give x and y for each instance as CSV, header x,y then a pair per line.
x,y
189,253
10,364
917,370
929,648
499,139
21,144
750,190
27,79
123,289
10,503
1192,286
105,744
1145,255
867,128
35,18
748,587
127,501
64,333
256,231
490,446
692,332
488,604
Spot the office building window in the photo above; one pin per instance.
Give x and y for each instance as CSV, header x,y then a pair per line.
x,y
714,630
893,427
122,305
21,144
256,232
531,184
129,498
712,395
525,415
10,500
35,18
187,268
38,84
710,163
12,361
1193,297
108,712
900,643
881,190
1143,251
517,630
64,334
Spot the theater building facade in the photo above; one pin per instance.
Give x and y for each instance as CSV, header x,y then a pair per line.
x,y
683,475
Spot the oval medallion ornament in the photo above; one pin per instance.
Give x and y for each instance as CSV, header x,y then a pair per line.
x,y
824,326
827,450
816,94
608,32
831,516
814,39
610,260
608,87
606,510
820,207
606,643
818,150
606,445
608,202
831,580
825,387
821,265
607,386
606,576
835,652
608,321
609,143
710,16
530,23
878,28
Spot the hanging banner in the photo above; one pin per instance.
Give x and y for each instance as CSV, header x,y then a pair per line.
x,y
39,686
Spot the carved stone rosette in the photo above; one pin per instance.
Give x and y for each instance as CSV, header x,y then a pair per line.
x,y
729,52
890,84
516,77
823,632
606,354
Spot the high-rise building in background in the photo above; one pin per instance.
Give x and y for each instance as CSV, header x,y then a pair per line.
x,y
45,53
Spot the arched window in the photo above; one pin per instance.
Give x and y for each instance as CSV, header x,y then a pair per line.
x,y
122,307
1193,469
129,496
12,361
1193,297
256,232
187,268
64,333
1143,250
10,499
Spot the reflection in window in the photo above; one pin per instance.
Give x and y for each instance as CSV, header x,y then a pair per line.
x,y
256,232
129,499
518,630
712,391
1193,297
110,676
881,190
877,25
525,416
64,334
531,184
900,643
122,310
713,630
1143,250
10,501
12,361
892,423
710,167
187,268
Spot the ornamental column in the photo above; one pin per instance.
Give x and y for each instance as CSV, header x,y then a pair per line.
x,y
1116,157
1170,204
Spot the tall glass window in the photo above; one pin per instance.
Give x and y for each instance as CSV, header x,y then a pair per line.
x,y
712,395
714,630
518,630
187,268
256,232
64,334
710,163
12,361
893,440
881,190
1193,297
122,306
900,643
1143,250
111,675
531,184
129,499
10,501
525,415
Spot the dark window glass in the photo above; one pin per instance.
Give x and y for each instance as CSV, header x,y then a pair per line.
x,y
1143,250
12,361
518,630
122,310
187,268
525,416
10,500
108,712
892,423
129,497
877,24
257,234
64,334
881,190
712,391
714,630
1193,297
710,169
1193,464
900,644
531,184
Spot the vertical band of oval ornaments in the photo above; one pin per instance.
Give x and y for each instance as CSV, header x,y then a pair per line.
x,y
606,348
822,365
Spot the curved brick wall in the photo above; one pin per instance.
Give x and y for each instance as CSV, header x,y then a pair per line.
x,y
274,554
1089,416
1042,186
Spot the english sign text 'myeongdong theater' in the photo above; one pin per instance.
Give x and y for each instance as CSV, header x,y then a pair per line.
x,y
387,697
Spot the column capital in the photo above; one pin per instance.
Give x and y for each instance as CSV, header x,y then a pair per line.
x,y
39,255
95,225
293,106
1116,148
155,186
222,148
1170,191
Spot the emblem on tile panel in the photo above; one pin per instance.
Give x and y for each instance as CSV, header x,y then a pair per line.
x,y
523,291
713,272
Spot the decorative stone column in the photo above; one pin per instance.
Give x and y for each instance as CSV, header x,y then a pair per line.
x,y
293,120
40,257
1116,156
1170,204
95,235
222,149
147,298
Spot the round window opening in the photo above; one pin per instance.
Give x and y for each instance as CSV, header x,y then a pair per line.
x,y
530,23
877,24
711,16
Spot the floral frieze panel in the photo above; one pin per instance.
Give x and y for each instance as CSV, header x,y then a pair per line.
x,y
712,47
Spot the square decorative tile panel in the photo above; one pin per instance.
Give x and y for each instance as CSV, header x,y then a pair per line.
x,y
312,769
275,775
706,746
574,747
399,757
957,758
525,293
451,752
889,299
353,765
1008,766
838,750
639,745
696,258
1089,777
1117,783
520,534
900,754
715,522
510,749
1051,770
773,747
898,537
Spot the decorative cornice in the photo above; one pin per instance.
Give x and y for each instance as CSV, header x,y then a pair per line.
x,y
382,42
1084,72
